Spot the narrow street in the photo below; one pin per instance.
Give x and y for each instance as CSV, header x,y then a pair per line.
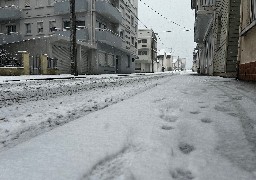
x,y
152,127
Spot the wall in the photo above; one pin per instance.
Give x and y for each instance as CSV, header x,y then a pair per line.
x,y
247,51
11,71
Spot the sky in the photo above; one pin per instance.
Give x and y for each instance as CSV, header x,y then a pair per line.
x,y
180,42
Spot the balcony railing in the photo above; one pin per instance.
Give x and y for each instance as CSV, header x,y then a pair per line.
x,y
108,37
9,13
63,7
81,35
208,3
108,11
13,37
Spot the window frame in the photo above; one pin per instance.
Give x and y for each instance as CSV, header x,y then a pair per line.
x,y
26,28
40,30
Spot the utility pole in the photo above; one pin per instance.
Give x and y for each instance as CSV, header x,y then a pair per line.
x,y
178,63
73,49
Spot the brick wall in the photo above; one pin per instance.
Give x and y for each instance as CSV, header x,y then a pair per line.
x,y
247,71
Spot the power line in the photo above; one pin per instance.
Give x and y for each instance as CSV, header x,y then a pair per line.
x,y
170,21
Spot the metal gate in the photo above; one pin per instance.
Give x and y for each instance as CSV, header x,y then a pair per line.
x,y
8,59
35,65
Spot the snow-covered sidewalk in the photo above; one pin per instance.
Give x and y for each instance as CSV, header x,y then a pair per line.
x,y
188,127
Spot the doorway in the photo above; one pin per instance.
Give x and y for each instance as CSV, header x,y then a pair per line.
x,y
118,59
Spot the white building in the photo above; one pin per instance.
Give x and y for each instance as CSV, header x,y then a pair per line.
x,y
147,51
164,62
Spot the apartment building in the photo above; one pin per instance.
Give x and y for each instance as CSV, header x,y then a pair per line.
x,y
106,32
147,51
216,35
247,41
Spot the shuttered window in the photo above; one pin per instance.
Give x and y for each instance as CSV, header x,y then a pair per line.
x,y
102,59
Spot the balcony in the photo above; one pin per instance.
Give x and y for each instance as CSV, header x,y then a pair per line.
x,y
9,13
204,7
108,11
81,35
14,37
202,23
108,38
63,7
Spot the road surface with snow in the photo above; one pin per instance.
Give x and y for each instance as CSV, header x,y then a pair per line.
x,y
157,127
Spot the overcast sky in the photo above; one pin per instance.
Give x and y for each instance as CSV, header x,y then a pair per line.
x,y
179,11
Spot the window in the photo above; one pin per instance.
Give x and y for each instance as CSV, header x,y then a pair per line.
x,y
132,40
39,3
139,41
253,10
219,31
132,20
110,60
144,40
102,59
10,29
51,2
28,28
40,27
122,34
143,53
10,3
52,26
122,10
66,25
27,4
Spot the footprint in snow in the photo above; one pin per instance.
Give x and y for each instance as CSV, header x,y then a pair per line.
x,y
186,148
169,118
221,108
206,120
195,112
113,167
167,127
203,107
181,174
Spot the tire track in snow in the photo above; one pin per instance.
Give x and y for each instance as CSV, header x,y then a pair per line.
x,y
113,167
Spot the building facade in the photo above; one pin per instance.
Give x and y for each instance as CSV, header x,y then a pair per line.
x,y
106,32
147,51
164,62
247,41
216,34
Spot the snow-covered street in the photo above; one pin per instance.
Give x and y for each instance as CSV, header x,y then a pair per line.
x,y
144,127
